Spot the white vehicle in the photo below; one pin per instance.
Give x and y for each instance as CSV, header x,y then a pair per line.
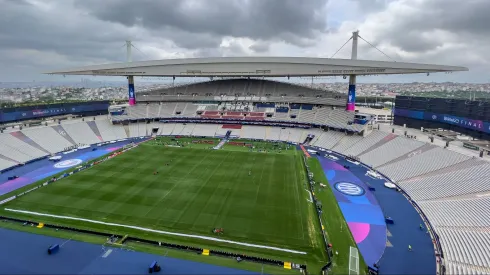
x,y
390,185
352,161
332,157
313,152
71,151
373,174
55,158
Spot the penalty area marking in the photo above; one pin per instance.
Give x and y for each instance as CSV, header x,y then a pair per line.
x,y
157,231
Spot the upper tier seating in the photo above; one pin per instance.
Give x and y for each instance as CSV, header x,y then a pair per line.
x,y
327,116
256,90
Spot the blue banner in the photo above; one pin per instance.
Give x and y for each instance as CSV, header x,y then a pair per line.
x,y
23,113
132,98
351,98
478,125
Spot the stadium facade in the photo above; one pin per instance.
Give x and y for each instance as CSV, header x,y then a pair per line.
x,y
36,112
468,117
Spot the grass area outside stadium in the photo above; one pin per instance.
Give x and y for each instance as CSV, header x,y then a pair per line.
x,y
260,199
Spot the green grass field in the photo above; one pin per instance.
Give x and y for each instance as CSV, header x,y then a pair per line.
x,y
256,197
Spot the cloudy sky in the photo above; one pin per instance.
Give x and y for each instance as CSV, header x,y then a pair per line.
x,y
43,35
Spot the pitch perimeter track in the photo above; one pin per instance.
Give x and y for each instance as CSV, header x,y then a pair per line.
x,y
156,231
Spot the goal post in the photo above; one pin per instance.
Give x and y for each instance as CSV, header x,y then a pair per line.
x,y
353,261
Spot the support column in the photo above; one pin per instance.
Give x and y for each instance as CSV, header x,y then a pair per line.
x,y
132,98
351,95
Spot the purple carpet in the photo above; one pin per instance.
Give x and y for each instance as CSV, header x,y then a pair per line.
x,y
360,208
44,168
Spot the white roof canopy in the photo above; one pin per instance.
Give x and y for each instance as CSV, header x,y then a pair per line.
x,y
257,67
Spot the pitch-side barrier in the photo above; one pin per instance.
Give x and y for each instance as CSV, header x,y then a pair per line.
x,y
209,252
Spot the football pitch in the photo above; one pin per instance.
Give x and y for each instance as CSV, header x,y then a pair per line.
x,y
255,197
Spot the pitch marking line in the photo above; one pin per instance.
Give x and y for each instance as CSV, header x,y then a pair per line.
x,y
156,231
65,242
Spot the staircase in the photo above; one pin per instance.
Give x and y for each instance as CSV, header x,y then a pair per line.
x,y
223,141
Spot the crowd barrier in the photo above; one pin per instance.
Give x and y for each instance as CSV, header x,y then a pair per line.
x,y
322,227
197,250
215,252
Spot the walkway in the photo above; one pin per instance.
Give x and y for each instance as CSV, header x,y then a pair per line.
x,y
396,258
26,253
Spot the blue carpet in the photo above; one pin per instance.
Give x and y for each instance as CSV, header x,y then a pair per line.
x,y
44,168
360,209
25,253
396,258
406,231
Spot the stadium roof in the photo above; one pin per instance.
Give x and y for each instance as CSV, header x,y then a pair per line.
x,y
257,67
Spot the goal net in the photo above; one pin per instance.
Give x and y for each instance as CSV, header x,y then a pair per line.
x,y
353,261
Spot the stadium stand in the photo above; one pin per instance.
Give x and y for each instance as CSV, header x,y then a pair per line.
x,y
391,150
328,139
81,133
422,163
255,90
17,150
450,188
6,163
48,138
449,184
359,147
109,132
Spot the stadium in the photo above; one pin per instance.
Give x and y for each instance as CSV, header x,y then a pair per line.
x,y
242,175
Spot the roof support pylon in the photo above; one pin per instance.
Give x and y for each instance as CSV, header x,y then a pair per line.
x,y
351,94
128,51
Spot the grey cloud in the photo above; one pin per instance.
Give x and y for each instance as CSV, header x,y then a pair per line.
x,y
81,32
412,41
259,47
28,28
468,16
366,6
286,20
464,19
